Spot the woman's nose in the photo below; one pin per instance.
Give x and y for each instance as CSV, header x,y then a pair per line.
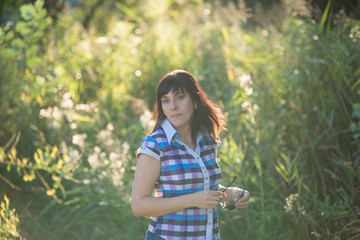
x,y
173,104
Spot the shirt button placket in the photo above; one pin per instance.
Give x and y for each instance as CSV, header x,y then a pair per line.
x,y
209,228
207,187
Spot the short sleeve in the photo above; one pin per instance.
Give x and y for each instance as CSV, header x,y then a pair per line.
x,y
150,147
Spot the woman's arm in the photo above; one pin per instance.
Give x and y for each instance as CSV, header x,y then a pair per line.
x,y
142,202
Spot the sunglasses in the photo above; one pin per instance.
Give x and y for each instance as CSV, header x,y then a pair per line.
x,y
231,205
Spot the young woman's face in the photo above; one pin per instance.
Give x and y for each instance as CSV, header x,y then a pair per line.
x,y
179,108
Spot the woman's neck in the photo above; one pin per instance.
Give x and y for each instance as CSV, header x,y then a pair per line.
x,y
186,137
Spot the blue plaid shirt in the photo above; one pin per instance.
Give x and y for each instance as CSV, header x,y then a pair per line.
x,y
184,171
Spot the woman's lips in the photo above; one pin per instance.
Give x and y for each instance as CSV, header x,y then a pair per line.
x,y
176,115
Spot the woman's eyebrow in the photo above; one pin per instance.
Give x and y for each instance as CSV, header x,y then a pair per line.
x,y
179,92
165,96
174,93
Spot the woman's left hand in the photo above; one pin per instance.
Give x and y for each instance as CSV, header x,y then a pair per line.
x,y
241,200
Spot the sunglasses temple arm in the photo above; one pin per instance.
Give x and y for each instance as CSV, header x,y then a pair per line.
x,y
229,184
242,194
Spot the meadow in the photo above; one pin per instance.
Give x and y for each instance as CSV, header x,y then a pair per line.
x,y
76,101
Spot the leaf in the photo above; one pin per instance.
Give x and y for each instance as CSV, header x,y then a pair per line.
x,y
81,117
34,38
24,162
41,154
60,164
283,156
27,11
2,155
357,83
39,4
32,62
55,178
17,43
281,169
26,178
22,29
13,153
9,53
6,199
36,158
325,16
43,24
51,192
39,99
54,151
41,15
129,12
32,51
9,35
31,59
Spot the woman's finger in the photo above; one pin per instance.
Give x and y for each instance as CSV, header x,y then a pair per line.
x,y
242,205
245,197
244,201
217,195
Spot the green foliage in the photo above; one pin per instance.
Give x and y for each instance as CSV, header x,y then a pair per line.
x,y
289,89
49,162
20,44
8,221
301,140
307,122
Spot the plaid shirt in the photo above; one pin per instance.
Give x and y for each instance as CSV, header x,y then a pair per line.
x,y
184,171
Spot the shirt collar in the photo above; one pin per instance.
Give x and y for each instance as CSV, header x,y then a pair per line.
x,y
171,132
169,129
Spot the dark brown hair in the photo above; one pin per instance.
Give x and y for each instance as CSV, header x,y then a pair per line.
x,y
207,113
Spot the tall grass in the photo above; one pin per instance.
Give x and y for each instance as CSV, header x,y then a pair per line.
x,y
290,93
303,85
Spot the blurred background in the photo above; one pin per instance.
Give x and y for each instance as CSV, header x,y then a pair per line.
x,y
78,81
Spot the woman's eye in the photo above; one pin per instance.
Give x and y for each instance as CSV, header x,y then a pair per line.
x,y
164,101
180,96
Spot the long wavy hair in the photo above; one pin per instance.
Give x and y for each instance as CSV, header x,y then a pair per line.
x,y
206,113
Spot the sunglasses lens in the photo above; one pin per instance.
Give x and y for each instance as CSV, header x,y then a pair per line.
x,y
230,206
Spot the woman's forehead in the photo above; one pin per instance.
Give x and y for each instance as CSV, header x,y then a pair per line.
x,y
175,91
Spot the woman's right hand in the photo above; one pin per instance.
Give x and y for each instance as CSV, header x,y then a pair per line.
x,y
207,199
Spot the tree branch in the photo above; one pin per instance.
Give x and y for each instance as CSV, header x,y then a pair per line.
x,y
10,183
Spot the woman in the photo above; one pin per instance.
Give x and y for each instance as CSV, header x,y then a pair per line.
x,y
178,160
